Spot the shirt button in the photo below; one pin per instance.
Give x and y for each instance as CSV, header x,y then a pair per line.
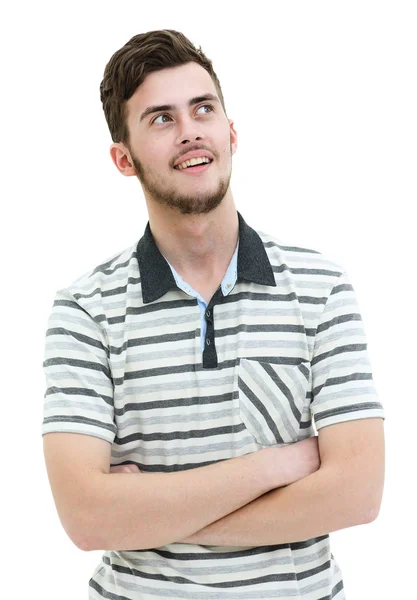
x,y
208,313
208,341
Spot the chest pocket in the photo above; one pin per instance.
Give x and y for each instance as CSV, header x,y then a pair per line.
x,y
272,398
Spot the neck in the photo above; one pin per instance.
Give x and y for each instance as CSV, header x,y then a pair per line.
x,y
200,245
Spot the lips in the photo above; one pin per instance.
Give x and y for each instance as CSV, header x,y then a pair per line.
x,y
195,170
200,153
178,165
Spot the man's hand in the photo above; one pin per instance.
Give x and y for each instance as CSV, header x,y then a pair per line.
x,y
125,469
297,460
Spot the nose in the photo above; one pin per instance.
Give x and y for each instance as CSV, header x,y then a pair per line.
x,y
188,130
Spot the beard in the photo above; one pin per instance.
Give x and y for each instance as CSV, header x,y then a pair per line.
x,y
195,204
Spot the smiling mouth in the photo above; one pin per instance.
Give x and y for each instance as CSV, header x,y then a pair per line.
x,y
210,160
195,168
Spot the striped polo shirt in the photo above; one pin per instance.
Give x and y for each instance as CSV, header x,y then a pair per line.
x,y
135,356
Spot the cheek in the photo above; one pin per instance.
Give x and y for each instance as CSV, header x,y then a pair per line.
x,y
156,157
153,153
226,152
226,143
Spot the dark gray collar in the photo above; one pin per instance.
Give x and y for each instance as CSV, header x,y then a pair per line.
x,y
157,278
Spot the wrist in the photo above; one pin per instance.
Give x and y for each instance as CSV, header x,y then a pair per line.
x,y
272,472
277,467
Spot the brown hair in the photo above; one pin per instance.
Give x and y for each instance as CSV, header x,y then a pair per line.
x,y
129,66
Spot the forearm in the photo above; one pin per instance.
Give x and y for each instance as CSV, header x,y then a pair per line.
x,y
126,512
318,504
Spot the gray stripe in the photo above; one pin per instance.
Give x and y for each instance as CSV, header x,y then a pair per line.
x,y
75,419
273,244
179,435
108,268
338,350
358,392
178,418
74,319
61,403
161,452
338,320
83,377
73,391
74,362
172,402
347,410
339,380
184,353
74,334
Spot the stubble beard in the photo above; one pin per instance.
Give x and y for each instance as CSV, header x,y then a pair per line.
x,y
198,203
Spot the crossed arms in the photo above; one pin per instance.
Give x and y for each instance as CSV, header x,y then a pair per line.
x,y
258,499
345,491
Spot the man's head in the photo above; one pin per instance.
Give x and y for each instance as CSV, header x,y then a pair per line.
x,y
162,69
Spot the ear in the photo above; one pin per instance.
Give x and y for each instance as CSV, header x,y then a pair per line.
x,y
233,136
121,157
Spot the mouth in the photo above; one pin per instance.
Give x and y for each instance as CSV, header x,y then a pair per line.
x,y
195,170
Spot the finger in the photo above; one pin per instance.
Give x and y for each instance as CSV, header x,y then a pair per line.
x,y
132,468
124,469
117,469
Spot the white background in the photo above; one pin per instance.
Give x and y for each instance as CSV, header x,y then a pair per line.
x,y
323,96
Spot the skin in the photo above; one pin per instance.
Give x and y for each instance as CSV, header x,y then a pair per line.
x,y
193,218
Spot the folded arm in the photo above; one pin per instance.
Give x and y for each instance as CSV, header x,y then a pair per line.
x,y
102,507
345,491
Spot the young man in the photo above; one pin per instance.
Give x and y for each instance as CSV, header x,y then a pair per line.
x,y
188,375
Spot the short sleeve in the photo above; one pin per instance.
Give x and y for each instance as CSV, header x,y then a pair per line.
x,y
79,387
342,384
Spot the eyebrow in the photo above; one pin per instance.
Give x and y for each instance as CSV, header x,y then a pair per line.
x,y
163,107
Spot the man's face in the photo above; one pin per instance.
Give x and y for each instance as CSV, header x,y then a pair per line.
x,y
162,138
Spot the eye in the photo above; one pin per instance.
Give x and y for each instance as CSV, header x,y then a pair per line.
x,y
160,117
206,106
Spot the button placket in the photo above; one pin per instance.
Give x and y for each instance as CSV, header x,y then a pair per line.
x,y
210,355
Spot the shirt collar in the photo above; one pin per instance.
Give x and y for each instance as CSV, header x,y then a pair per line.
x,y
157,278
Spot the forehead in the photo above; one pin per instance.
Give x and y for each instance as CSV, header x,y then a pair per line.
x,y
175,85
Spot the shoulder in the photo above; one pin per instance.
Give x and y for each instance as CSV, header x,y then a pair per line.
x,y
97,288
300,262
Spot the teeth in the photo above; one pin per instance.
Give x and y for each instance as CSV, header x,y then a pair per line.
x,y
192,162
